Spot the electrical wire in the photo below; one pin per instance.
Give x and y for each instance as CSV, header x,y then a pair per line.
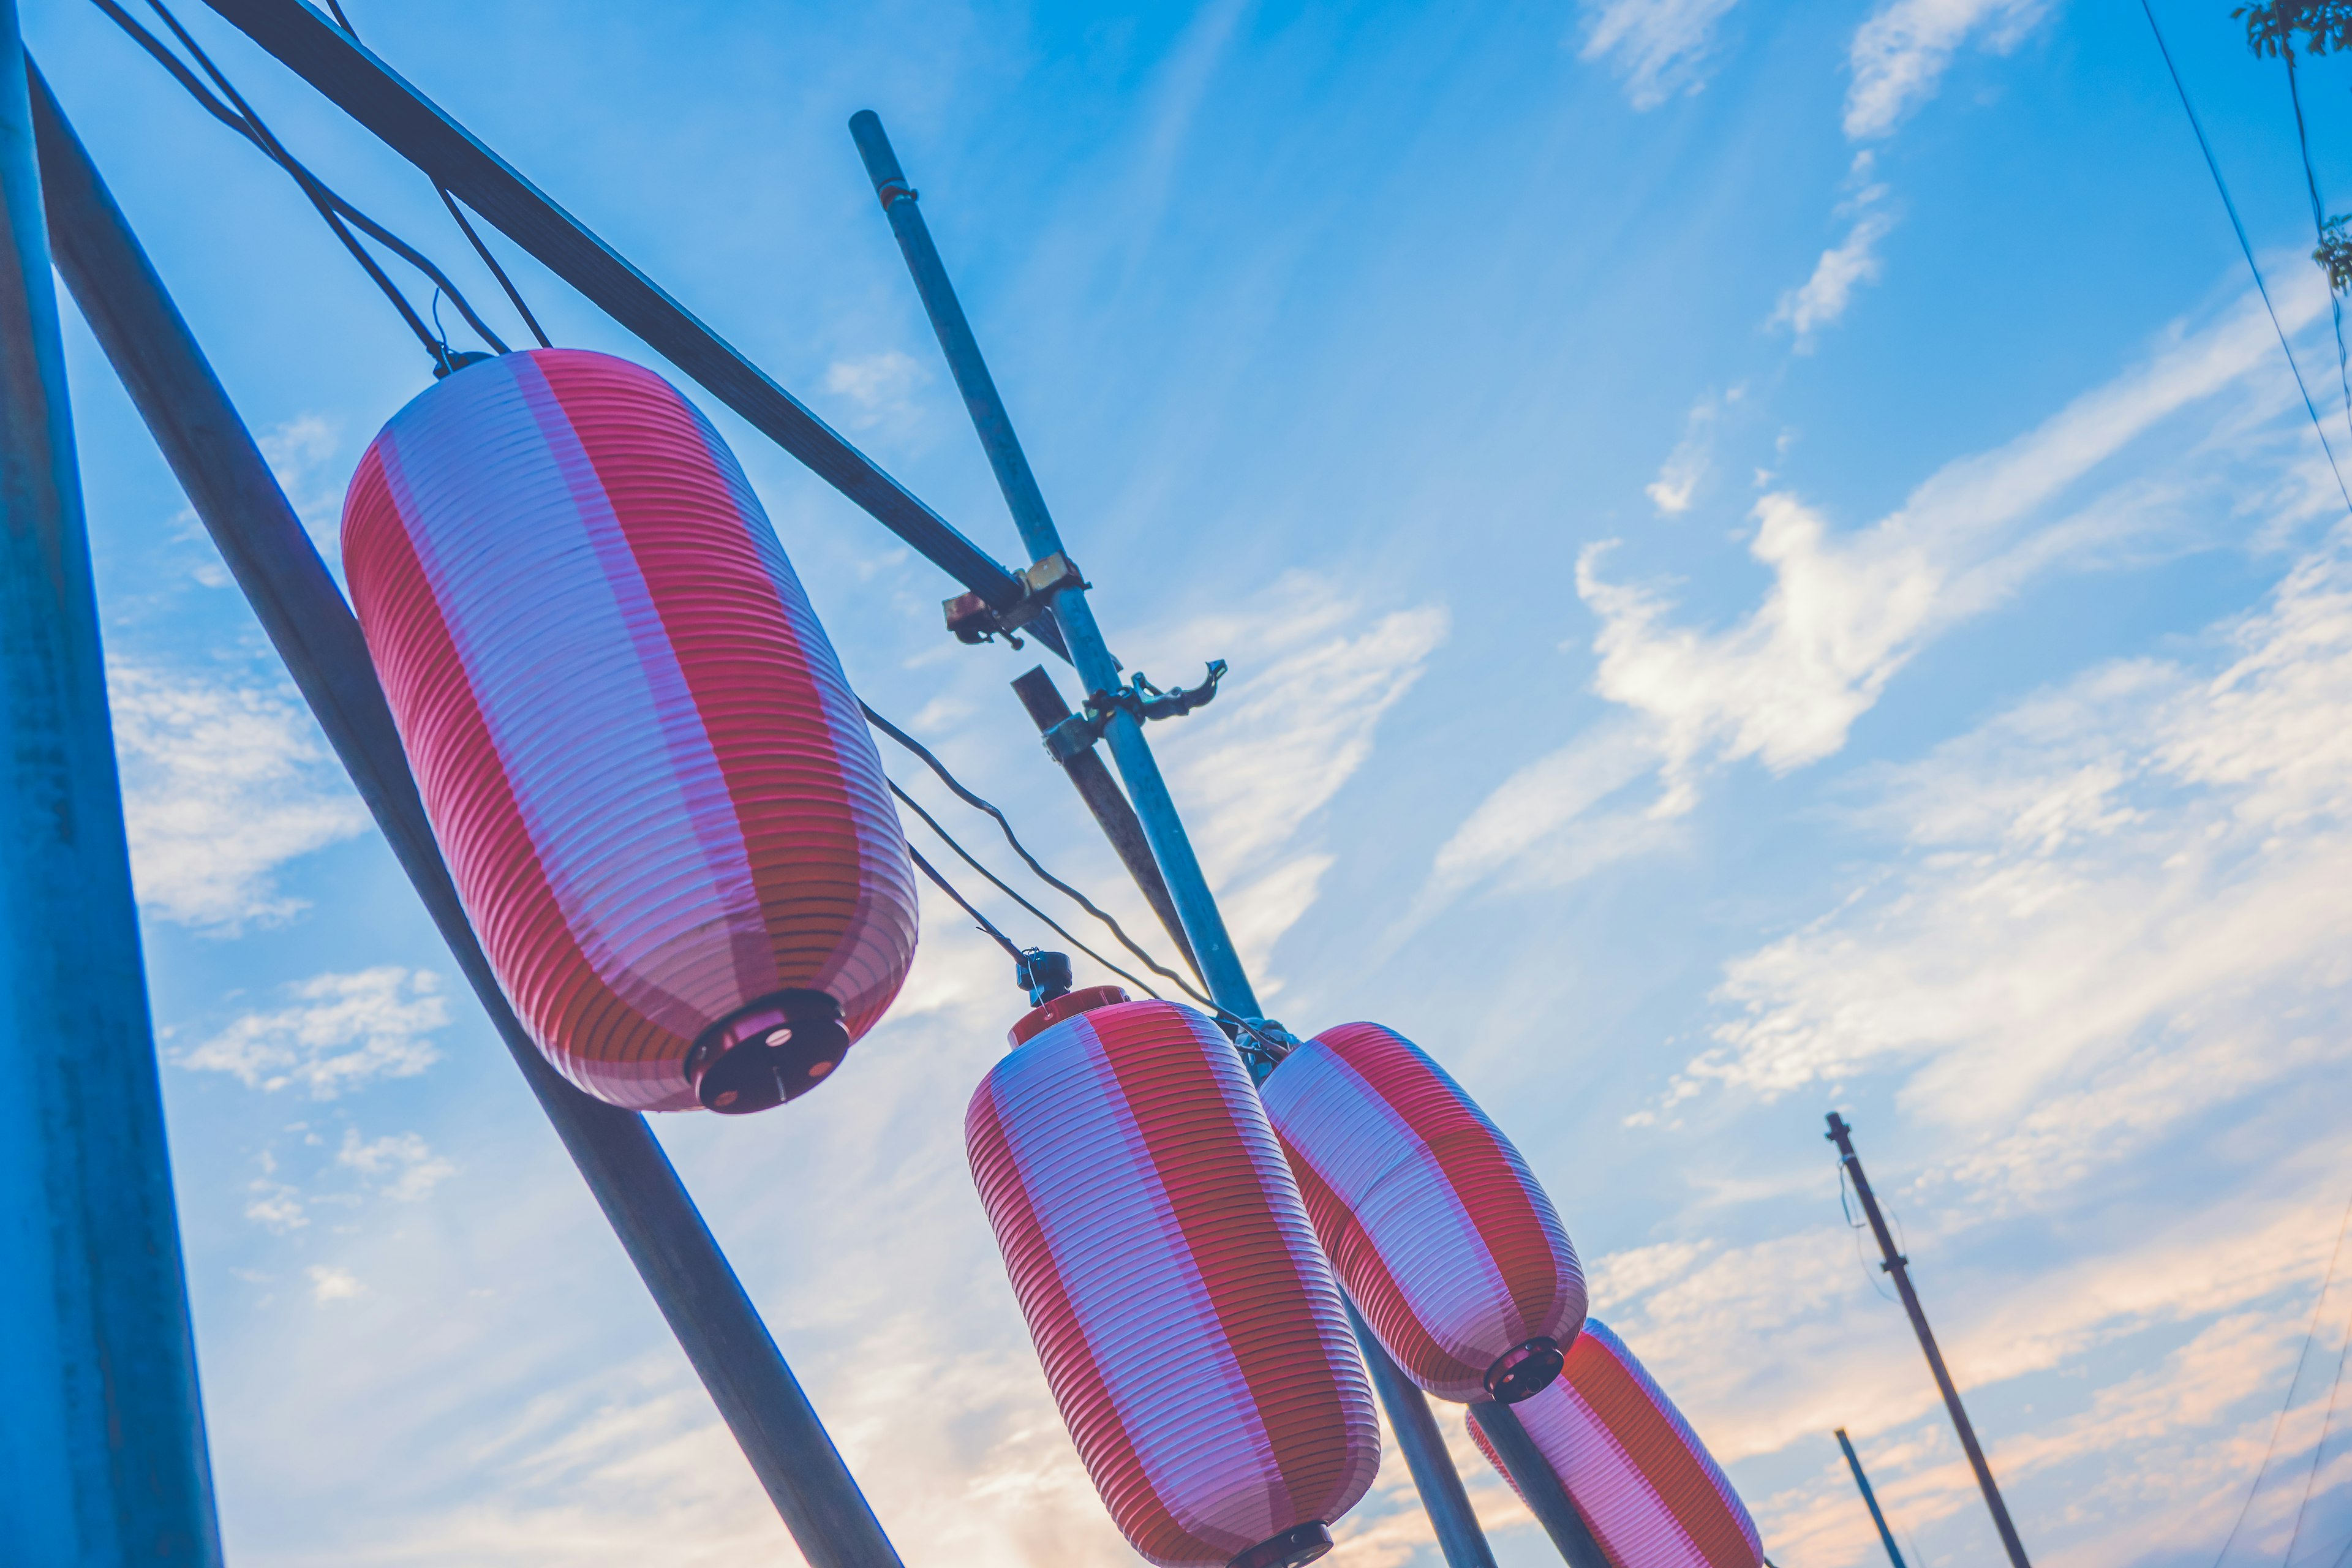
x,y
2319,1449
985,924
1084,902
2300,1357
1009,892
1855,1227
2319,227
2247,245
340,215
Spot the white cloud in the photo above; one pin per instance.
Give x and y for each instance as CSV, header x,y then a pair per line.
x,y
301,453
223,783
1658,48
330,1284
344,1031
1784,684
880,387
1899,54
402,1164
1686,466
277,1208
1823,297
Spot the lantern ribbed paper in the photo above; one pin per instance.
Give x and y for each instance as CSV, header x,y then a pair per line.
x,y
1436,1225
1649,1491
652,783
1190,1329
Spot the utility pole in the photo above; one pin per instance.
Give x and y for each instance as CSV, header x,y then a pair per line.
x,y
1870,1498
103,1451
271,557
1841,1134
1213,948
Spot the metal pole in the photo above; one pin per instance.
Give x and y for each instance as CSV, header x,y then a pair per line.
x,y
299,605
1213,946
102,1455
1870,1498
1841,1134
1112,814
413,126
1538,1484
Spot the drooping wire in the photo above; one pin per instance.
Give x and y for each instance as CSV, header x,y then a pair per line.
x,y
2247,245
1043,875
2319,225
2319,1449
1011,892
985,924
514,295
340,215
2292,1383
1855,1227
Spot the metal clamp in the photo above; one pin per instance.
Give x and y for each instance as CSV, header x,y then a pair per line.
x,y
974,620
1139,698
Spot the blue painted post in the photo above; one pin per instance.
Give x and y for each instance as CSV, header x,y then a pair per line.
x,y
1869,1498
313,630
1449,1510
1538,1484
102,1457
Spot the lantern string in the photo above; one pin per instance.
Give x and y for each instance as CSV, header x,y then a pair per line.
x,y
985,924
465,226
1011,892
1051,880
340,215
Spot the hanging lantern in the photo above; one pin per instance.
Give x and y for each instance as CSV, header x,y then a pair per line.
x,y
1189,1326
1646,1487
653,786
1437,1228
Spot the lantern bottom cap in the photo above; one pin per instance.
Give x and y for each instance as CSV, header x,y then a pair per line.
x,y
1525,1370
766,1052
1299,1543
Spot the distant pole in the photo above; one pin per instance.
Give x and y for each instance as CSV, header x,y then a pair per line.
x,y
1841,1134
300,607
1213,946
1870,1498
1538,1484
102,1454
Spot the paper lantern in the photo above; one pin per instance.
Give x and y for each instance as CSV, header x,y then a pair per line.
x,y
653,786
1647,1486
1188,1326
1441,1233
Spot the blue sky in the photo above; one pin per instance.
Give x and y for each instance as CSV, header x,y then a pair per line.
x,y
1769,558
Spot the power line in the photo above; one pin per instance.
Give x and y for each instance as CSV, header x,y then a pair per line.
x,y
985,924
2319,225
2247,245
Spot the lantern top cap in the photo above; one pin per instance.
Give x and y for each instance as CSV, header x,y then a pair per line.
x,y
1039,1020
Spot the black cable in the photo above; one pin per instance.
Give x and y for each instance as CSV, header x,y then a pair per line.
x,y
2319,225
514,295
2247,245
2319,1449
1084,902
1008,890
239,116
928,870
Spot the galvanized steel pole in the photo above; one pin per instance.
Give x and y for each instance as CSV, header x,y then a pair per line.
x,y
1538,1484
1870,1498
1213,946
102,1455
1841,1134
299,605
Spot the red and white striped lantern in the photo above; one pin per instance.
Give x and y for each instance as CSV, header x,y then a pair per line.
x,y
651,782
1189,1326
1443,1236
1647,1486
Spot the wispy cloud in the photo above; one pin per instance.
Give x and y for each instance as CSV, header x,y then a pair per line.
x,y
1823,297
342,1031
1899,54
879,388
1657,48
1686,466
224,782
331,1284
402,1166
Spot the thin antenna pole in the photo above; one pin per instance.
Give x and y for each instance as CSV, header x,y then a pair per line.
x,y
1841,1134
1869,1498
1538,1484
1213,946
102,1452
214,456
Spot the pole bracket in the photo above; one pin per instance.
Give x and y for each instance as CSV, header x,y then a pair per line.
x,y
1139,698
974,620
